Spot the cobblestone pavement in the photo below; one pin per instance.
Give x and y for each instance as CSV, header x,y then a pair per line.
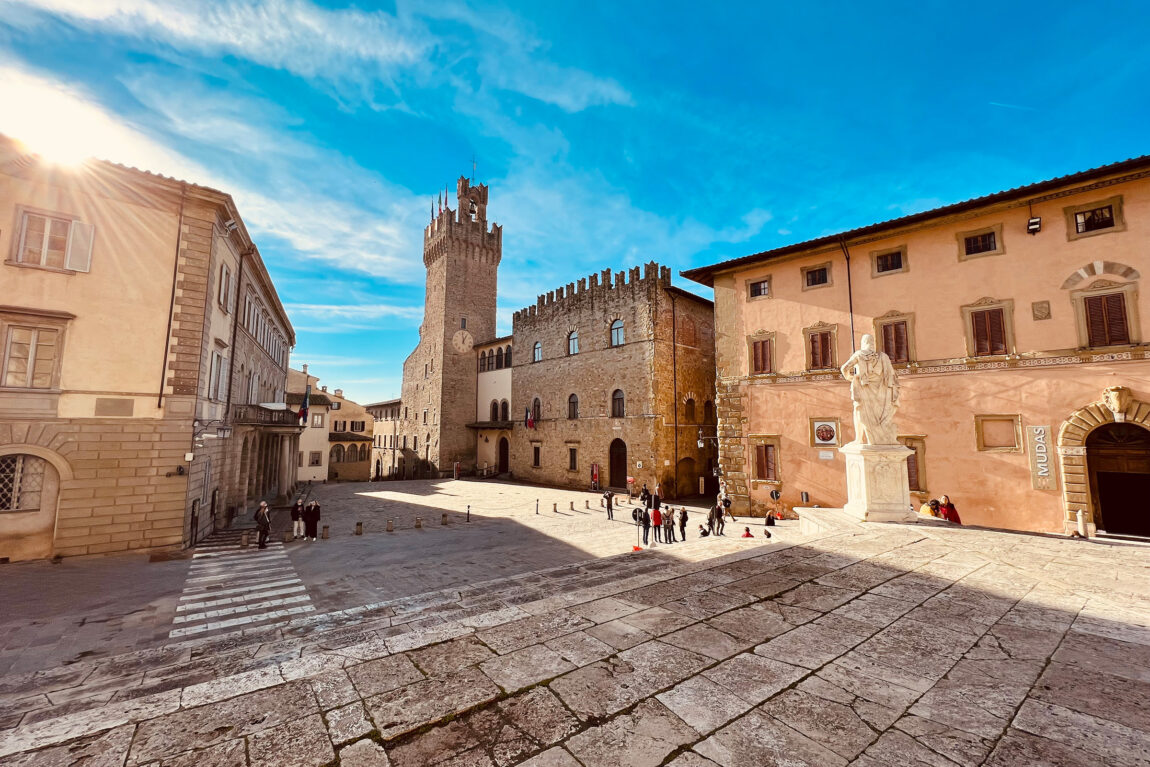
x,y
836,644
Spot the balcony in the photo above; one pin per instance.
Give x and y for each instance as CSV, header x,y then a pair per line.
x,y
257,415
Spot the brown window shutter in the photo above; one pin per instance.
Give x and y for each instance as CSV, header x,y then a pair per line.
x,y
902,347
912,469
760,461
1117,329
762,356
997,323
981,333
828,353
769,460
756,360
816,352
1096,320
768,357
888,342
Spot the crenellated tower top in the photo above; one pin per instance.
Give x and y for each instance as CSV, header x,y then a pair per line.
x,y
463,230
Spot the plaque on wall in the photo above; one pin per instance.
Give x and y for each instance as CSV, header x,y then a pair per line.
x,y
824,432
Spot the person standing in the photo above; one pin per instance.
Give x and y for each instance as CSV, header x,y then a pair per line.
x,y
947,511
297,520
645,497
311,517
683,523
657,521
646,520
720,522
669,525
263,523
609,496
711,520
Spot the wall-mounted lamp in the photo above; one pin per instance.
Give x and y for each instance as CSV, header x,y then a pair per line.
x,y
1034,225
231,225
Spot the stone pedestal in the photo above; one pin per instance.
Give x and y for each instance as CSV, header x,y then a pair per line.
x,y
878,487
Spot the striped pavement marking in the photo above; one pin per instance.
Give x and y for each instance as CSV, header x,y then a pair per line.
x,y
228,587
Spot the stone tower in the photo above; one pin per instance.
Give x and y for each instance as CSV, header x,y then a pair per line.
x,y
461,254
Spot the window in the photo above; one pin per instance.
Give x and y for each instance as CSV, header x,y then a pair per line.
x,y
536,410
299,461
359,426
30,357
998,433
817,276
55,242
537,352
708,412
573,407
976,243
315,458
820,350
1096,217
225,288
499,359
507,357
894,340
760,288
888,261
1106,323
21,480
494,410
337,454
415,444
482,362
980,243
425,415
689,411
217,377
617,333
988,328
617,405
535,457
336,405
573,342
572,459
766,462
463,323
405,442
915,467
363,452
505,410
317,420
761,360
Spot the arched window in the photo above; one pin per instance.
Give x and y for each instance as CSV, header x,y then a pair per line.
x,y
537,352
415,444
573,406
536,410
689,411
363,452
507,356
482,361
499,359
505,410
21,481
337,454
708,412
617,407
573,342
617,333
494,410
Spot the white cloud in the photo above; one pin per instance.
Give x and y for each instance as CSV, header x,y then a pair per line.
x,y
356,311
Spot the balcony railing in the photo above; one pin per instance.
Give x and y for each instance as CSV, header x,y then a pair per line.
x,y
254,414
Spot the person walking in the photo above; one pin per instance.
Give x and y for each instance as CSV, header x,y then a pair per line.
x,y
609,496
947,511
263,523
297,520
645,497
646,520
720,522
683,523
311,516
711,520
657,521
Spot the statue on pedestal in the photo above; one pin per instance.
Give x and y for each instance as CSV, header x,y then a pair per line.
x,y
874,392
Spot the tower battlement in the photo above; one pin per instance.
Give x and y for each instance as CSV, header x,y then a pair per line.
x,y
594,287
463,230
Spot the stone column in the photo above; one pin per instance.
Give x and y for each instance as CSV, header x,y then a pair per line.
x,y
878,487
285,468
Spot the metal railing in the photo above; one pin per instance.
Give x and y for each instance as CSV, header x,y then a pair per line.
x,y
254,414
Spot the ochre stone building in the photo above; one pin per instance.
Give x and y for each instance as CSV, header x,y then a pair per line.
x,y
386,458
615,374
139,331
1016,322
493,414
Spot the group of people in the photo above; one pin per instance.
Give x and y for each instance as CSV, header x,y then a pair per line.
x,y
304,520
652,514
941,508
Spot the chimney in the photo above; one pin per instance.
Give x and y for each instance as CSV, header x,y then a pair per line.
x,y
323,388
305,368
339,392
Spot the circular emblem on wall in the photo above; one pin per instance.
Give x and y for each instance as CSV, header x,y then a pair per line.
x,y
825,433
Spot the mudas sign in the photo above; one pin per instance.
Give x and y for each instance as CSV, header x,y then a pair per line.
x,y
1039,443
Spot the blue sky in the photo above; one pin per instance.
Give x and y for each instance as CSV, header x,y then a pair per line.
x,y
611,133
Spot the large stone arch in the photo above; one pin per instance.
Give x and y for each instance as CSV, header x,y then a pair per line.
x,y
1117,405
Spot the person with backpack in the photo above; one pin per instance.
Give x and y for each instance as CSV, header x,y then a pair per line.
x,y
263,524
646,521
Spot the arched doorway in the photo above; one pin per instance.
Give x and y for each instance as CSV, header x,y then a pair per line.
x,y
617,466
504,455
1118,465
29,494
687,478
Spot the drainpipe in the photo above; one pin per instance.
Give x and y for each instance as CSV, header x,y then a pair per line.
x,y
675,384
172,302
850,292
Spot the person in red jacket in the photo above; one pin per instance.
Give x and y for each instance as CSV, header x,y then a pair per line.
x,y
947,510
747,533
657,522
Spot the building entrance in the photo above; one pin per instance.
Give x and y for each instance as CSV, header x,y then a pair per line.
x,y
1118,461
617,469
504,455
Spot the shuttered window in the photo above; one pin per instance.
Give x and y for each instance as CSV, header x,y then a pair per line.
x,y
894,341
1106,320
912,470
988,329
761,356
822,353
765,466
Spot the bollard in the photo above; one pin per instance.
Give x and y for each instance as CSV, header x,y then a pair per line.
x,y
359,528
443,521
324,534
602,503
555,507
572,505
469,512
244,541
586,504
536,505
391,525
418,523
288,537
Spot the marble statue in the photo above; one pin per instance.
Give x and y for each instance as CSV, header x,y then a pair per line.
x,y
874,391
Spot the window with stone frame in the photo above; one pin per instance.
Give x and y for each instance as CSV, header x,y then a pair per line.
x,y
499,358
536,456
1094,218
915,463
505,410
617,336
536,410
573,407
573,343
618,406
54,241
494,410
820,350
507,356
482,362
762,357
317,420
337,454
766,461
21,482
572,459
1106,320
759,288
708,412
537,352
817,276
31,357
894,340
988,329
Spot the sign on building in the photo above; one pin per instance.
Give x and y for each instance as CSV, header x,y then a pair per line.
x,y
1040,446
